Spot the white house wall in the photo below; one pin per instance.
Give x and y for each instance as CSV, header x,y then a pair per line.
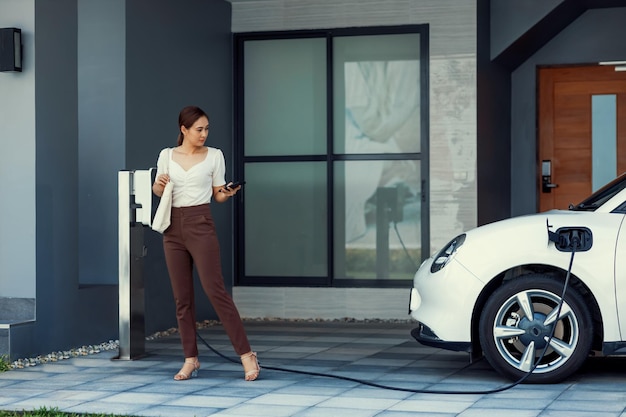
x,y
17,160
452,116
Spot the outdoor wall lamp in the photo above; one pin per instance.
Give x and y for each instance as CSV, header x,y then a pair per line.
x,y
11,49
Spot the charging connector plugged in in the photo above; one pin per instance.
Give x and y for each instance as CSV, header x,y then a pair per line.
x,y
571,239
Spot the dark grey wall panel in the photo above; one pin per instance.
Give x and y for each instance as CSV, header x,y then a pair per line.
x,y
520,29
510,19
65,315
493,146
101,135
177,54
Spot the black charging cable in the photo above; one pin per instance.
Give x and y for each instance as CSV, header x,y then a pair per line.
x,y
575,242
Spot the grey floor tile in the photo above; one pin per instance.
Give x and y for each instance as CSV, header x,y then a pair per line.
x,y
180,387
305,388
552,413
206,401
111,387
332,412
376,352
599,392
242,392
75,395
588,406
288,399
170,411
496,412
253,410
39,402
371,392
359,403
432,406
528,392
104,407
20,393
413,414
138,398
21,375
506,403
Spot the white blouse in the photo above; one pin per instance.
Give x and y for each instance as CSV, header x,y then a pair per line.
x,y
195,185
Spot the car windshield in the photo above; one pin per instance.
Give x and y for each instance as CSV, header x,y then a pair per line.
x,y
604,194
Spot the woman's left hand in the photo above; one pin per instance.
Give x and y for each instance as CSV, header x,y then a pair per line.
x,y
224,191
230,191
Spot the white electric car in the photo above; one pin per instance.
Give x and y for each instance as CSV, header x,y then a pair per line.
x,y
496,290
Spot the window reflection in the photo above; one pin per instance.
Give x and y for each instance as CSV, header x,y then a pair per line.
x,y
382,105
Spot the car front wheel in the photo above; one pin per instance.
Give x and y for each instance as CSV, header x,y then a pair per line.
x,y
516,324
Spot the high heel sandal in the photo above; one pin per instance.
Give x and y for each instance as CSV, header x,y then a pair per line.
x,y
182,375
253,369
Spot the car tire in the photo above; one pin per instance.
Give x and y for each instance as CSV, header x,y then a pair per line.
x,y
515,325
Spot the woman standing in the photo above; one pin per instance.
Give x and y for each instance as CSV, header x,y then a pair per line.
x,y
197,173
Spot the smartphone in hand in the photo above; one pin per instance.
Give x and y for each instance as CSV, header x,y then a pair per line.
x,y
235,184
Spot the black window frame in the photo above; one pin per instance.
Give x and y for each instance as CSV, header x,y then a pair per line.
x,y
239,39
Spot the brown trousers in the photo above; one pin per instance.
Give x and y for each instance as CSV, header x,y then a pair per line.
x,y
191,240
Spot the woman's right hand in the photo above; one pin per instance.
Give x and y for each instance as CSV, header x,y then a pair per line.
x,y
159,184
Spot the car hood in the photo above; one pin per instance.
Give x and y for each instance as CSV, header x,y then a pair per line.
x,y
499,246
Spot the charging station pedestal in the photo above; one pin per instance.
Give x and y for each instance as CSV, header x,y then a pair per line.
x,y
389,206
134,212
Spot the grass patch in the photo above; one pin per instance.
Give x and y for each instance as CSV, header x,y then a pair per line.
x,y
4,363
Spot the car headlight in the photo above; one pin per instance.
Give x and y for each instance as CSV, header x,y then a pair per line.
x,y
445,254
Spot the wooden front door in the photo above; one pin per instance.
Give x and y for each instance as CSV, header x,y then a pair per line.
x,y
566,152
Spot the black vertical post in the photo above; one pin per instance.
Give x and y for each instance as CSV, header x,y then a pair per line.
x,y
137,292
384,197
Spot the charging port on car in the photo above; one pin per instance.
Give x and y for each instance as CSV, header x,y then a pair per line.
x,y
570,239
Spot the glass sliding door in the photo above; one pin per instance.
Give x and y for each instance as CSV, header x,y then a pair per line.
x,y
376,94
286,218
284,101
285,97
377,234
377,135
332,138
